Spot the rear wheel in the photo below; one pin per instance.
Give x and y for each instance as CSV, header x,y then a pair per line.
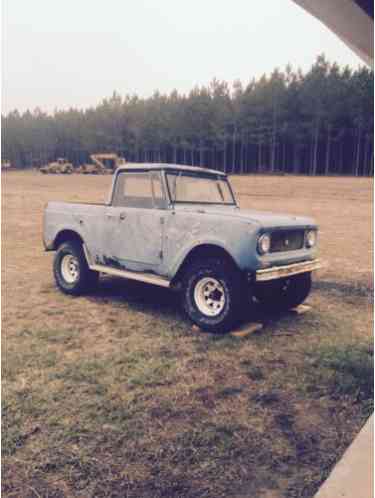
x,y
211,294
284,293
71,271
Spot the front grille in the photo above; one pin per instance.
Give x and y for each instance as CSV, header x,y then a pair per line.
x,y
287,240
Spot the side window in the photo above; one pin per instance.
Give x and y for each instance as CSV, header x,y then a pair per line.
x,y
138,190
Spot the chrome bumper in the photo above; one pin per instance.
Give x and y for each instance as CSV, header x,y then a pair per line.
x,y
287,270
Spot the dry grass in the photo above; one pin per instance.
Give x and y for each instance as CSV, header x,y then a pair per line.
x,y
114,395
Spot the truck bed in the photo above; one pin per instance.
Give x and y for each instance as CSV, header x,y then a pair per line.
x,y
85,218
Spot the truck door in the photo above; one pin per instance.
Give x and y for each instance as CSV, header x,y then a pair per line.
x,y
135,222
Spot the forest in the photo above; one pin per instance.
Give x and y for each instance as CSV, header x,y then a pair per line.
x,y
319,122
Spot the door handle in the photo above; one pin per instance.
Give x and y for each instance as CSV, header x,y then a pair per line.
x,y
122,216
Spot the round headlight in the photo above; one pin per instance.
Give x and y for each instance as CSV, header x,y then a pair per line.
x,y
311,238
264,243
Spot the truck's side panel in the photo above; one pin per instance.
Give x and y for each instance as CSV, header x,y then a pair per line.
x,y
88,221
134,238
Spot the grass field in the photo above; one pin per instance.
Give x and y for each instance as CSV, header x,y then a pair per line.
x,y
115,395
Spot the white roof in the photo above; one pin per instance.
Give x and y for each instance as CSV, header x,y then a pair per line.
x,y
165,166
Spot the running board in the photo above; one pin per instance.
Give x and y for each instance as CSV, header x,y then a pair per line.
x,y
148,278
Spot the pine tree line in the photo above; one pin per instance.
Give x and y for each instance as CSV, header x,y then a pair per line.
x,y
320,122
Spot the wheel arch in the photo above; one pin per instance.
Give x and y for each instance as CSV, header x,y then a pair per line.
x,y
65,236
201,251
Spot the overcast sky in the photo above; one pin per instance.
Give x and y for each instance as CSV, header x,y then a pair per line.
x,y
73,53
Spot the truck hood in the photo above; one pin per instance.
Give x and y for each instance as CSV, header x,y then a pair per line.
x,y
264,219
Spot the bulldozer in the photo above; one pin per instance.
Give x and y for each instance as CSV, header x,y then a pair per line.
x,y
60,166
103,164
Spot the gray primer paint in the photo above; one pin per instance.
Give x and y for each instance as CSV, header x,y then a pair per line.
x,y
159,240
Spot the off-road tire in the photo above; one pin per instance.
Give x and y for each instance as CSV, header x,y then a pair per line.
x,y
86,279
230,281
283,294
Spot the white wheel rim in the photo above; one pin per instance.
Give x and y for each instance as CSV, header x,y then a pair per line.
x,y
70,268
209,296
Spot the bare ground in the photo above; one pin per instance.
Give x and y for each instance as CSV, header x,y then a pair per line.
x,y
114,394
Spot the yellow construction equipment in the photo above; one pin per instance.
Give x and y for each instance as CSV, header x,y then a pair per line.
x,y
102,164
59,167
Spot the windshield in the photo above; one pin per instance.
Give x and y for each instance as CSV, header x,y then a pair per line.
x,y
199,188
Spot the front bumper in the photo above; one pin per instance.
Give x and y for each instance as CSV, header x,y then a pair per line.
x,y
286,271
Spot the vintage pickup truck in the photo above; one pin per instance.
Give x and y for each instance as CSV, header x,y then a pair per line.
x,y
181,227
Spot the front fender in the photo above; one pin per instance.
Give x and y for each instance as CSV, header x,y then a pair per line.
x,y
187,231
184,252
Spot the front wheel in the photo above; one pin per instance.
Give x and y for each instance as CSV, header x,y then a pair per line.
x,y
71,271
284,293
212,295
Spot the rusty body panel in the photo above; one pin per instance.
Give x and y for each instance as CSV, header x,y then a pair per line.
x,y
157,240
